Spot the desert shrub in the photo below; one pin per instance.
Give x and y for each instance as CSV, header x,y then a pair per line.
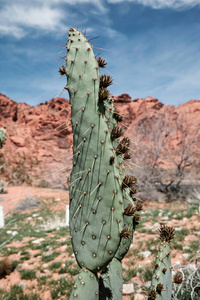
x,y
194,199
52,223
5,267
27,274
29,203
43,184
189,289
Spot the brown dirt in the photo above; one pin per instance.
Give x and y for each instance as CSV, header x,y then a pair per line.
x,y
17,194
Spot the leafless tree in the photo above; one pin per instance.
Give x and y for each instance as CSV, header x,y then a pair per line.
x,y
166,149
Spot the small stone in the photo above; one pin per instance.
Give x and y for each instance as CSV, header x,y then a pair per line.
x,y
148,261
166,218
45,266
178,229
139,297
128,288
160,214
14,233
48,254
186,255
29,218
35,215
186,248
64,247
22,284
40,218
36,242
145,253
63,275
185,219
156,225
152,248
9,232
192,267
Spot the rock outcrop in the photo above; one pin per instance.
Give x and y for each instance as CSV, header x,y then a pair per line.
x,y
39,141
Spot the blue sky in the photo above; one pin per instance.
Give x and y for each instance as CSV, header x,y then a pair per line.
x,y
154,46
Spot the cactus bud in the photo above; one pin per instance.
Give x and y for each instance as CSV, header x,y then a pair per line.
x,y
125,233
105,81
152,295
129,210
101,62
62,70
166,233
117,116
103,94
116,132
178,278
159,288
123,146
128,181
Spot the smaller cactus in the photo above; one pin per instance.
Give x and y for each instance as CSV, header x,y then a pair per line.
x,y
161,284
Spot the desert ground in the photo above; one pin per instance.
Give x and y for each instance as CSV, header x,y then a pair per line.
x,y
35,245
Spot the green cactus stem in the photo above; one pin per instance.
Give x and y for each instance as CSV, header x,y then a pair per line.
x,y
161,284
111,281
86,286
96,211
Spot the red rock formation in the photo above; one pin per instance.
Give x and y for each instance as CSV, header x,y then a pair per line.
x,y
40,137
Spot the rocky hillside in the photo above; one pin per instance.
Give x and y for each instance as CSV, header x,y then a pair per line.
x,y
39,141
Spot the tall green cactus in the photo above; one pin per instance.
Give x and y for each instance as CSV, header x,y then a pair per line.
x,y
96,210
98,184
103,206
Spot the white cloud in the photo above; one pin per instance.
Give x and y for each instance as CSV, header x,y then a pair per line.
x,y
26,16
160,4
17,19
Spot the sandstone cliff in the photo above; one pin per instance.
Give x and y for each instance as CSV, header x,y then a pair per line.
x,y
39,140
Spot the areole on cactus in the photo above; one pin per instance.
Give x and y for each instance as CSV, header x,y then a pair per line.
x,y
103,206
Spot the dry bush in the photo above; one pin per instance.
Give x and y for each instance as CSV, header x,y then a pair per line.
x,y
52,223
189,289
5,267
29,203
166,154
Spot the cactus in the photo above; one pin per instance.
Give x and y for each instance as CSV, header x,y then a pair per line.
x,y
97,182
103,206
161,284
86,286
2,136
